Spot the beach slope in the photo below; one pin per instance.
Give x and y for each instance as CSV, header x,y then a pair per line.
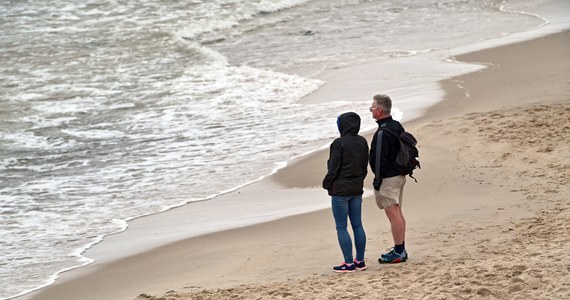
x,y
489,216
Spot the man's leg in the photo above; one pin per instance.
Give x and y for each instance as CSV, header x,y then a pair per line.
x,y
390,199
403,222
397,223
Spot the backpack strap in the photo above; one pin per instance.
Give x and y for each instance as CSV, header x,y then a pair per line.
x,y
379,136
378,153
414,178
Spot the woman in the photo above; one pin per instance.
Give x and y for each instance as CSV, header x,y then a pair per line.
x,y
347,168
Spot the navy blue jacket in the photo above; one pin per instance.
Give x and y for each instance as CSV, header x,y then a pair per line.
x,y
348,160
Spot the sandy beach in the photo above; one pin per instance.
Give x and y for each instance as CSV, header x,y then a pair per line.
x,y
488,218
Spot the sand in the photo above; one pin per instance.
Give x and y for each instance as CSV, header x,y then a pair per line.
x,y
489,217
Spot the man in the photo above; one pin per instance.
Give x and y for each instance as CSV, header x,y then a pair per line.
x,y
346,169
388,183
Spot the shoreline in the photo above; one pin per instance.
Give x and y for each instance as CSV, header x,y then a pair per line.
x,y
285,179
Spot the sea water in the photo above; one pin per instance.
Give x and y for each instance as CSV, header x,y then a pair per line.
x,y
111,110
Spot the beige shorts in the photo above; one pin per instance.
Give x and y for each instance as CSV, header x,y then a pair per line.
x,y
391,191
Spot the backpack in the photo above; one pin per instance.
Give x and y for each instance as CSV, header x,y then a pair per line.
x,y
407,159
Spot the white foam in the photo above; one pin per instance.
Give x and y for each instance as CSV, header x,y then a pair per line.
x,y
94,134
220,17
25,140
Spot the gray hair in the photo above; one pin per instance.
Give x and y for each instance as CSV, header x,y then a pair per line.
x,y
384,102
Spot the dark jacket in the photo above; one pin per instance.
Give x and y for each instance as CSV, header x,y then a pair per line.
x,y
348,160
390,148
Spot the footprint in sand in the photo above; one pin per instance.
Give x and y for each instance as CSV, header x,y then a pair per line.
x,y
484,292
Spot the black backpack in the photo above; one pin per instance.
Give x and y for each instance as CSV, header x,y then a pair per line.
x,y
407,159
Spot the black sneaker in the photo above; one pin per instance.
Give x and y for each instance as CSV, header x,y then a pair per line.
x,y
344,268
359,265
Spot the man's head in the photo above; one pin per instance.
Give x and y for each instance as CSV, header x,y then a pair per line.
x,y
381,106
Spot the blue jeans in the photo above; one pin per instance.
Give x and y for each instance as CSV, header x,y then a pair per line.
x,y
344,207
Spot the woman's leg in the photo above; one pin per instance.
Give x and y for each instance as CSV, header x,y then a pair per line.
x,y
340,213
355,214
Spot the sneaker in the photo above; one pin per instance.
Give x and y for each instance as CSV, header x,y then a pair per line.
x,y
392,257
344,268
359,265
387,254
389,251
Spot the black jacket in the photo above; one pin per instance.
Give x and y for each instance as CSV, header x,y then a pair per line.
x,y
390,148
348,160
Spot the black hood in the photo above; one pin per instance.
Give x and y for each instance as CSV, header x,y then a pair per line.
x,y
348,123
